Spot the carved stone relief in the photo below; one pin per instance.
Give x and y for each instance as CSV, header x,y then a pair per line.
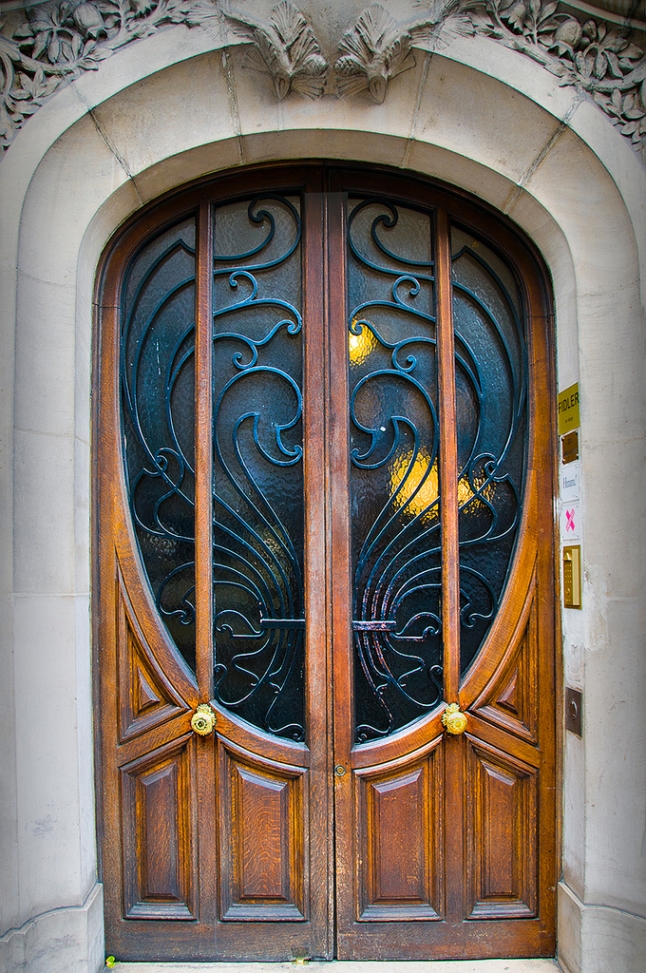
x,y
378,47
55,41
285,48
375,50
593,56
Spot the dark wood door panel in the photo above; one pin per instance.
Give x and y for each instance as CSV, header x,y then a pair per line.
x,y
502,834
264,857
178,682
399,823
511,698
489,845
147,697
159,833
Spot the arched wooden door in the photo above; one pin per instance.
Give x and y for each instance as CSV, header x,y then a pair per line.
x,y
323,496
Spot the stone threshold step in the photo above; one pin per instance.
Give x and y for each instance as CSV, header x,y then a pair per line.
x,y
317,966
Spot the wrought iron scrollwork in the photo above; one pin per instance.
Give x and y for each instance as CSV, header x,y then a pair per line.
x,y
397,552
257,490
395,432
257,447
491,369
157,381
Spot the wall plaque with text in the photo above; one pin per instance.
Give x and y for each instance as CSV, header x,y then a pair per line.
x,y
568,409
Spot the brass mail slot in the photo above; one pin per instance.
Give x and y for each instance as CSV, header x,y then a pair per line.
x,y
572,577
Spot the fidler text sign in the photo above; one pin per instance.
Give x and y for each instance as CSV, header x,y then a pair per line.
x,y
568,409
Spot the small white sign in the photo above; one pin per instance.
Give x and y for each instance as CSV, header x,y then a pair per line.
x,y
570,522
570,482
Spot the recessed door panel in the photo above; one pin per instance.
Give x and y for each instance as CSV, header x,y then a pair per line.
x,y
264,832
501,798
158,825
147,698
400,865
510,701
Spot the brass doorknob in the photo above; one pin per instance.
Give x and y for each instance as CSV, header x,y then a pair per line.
x,y
203,720
454,720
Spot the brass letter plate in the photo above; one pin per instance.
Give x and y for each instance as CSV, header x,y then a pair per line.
x,y
570,446
572,577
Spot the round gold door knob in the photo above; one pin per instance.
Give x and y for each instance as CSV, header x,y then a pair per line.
x,y
203,720
454,720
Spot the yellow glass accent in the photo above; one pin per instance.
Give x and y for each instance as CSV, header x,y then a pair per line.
x,y
419,492
361,341
419,484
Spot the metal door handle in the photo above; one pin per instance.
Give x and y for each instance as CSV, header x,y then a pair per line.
x,y
203,720
454,720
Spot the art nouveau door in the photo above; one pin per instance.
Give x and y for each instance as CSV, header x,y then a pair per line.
x,y
323,503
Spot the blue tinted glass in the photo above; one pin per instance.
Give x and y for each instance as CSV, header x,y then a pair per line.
x,y
394,466
491,381
157,389
257,463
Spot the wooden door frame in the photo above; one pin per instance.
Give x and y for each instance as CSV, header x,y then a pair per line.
x,y
325,616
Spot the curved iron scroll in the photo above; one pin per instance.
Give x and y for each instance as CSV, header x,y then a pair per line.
x,y
491,379
397,550
257,450
157,393
394,467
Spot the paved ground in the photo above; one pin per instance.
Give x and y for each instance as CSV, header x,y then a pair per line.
x,y
463,966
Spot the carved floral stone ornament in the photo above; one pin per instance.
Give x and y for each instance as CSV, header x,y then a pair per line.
x,y
285,48
594,56
374,51
51,43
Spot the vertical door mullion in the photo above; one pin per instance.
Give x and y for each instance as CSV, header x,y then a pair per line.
x,y
453,791
203,451
317,721
339,556
448,462
338,480
316,681
339,562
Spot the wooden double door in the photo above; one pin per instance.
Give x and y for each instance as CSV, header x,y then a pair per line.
x,y
323,507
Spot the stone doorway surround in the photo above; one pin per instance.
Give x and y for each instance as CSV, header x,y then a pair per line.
x,y
177,106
